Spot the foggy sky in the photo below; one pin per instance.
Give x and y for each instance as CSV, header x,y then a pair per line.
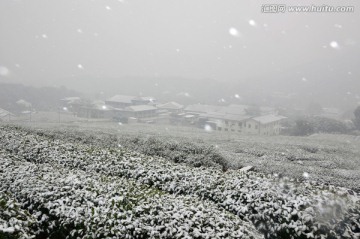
x,y
50,42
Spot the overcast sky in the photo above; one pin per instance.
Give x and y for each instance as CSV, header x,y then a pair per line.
x,y
43,41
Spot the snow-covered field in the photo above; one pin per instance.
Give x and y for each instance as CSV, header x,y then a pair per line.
x,y
76,184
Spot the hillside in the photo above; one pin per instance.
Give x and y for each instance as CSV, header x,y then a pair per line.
x,y
41,98
51,187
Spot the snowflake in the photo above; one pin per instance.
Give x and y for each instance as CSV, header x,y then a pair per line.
x,y
234,32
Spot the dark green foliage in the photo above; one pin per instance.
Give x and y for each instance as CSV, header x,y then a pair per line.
x,y
311,125
356,120
303,127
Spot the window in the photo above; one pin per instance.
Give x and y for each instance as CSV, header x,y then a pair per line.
x,y
249,126
240,124
219,128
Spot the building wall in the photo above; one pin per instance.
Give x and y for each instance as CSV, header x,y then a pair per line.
x,y
252,127
248,127
229,125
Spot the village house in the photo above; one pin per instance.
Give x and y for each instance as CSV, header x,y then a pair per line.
x,y
141,112
263,125
97,110
236,118
120,101
222,122
171,107
5,115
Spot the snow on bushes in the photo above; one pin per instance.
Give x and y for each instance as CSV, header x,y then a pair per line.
x,y
74,203
278,207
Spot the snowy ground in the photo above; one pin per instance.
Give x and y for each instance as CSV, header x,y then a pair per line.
x,y
91,187
333,159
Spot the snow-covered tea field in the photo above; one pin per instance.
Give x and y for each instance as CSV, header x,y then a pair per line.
x,y
71,184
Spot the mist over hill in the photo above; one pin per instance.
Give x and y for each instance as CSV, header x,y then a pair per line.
x,y
40,98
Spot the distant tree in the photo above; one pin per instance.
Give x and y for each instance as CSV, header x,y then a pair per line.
x,y
303,127
356,120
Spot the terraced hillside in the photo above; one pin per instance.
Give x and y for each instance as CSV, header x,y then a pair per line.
x,y
53,187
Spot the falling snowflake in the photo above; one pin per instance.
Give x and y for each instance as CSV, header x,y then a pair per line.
x,y
334,45
65,108
108,8
252,23
234,32
304,79
349,73
104,107
4,71
177,50
338,26
237,96
305,175
208,128
222,100
79,30
44,36
120,125
80,67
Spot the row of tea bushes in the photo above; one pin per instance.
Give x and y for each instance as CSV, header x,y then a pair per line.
x,y
72,203
279,208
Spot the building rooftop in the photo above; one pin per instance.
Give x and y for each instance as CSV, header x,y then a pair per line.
x,y
219,115
234,109
265,119
171,105
4,113
137,108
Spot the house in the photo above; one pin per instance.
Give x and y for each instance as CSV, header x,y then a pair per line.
x,y
139,111
72,104
5,115
171,107
97,110
236,118
223,121
263,125
120,101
